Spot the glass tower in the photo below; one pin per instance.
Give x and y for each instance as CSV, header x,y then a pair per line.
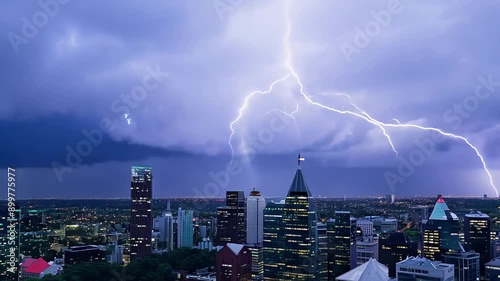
x,y
141,222
441,232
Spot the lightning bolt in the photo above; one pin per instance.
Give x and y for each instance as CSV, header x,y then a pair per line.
x,y
362,115
284,112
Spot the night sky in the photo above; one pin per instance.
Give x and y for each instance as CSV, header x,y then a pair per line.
x,y
91,88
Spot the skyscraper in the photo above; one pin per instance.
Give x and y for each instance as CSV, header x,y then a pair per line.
x,y
441,232
477,228
166,229
291,235
395,247
184,228
255,231
255,217
274,243
342,246
301,233
141,222
231,219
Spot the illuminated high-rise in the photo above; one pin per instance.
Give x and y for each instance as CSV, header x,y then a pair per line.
x,y
291,235
231,219
477,228
141,221
274,244
441,232
342,245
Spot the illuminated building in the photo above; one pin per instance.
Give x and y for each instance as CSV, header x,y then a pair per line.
x,y
492,270
294,236
274,244
141,221
234,263
466,265
477,236
395,247
441,232
231,219
342,246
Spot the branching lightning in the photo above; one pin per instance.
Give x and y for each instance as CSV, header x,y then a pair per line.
x,y
284,112
362,115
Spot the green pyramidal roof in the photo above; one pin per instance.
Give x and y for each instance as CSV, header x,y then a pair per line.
x,y
441,211
299,184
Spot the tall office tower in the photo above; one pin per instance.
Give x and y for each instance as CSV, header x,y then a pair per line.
x,y
274,243
477,229
323,252
257,261
395,247
231,219
141,221
234,263
330,236
255,217
466,265
422,269
441,232
291,235
301,233
343,247
184,228
166,229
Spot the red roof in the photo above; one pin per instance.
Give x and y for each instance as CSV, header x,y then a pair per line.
x,y
28,262
38,266
440,200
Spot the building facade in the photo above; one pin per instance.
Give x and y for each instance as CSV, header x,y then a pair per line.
x,y
342,246
231,227
234,263
422,269
395,247
274,243
141,221
466,265
255,217
477,230
184,228
441,232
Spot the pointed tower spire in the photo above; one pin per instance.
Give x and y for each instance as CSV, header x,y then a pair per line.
x,y
168,206
299,159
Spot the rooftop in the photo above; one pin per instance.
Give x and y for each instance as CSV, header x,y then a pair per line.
x,y
371,270
477,214
424,263
442,212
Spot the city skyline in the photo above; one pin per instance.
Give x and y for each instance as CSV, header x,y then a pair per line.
x,y
168,89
